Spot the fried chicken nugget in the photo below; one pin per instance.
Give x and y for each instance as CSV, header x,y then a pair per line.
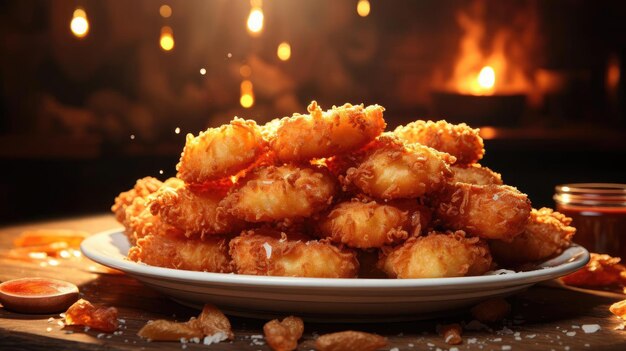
x,y
487,211
392,169
221,152
301,138
208,255
437,255
458,140
546,234
274,193
364,223
143,187
270,252
195,211
475,174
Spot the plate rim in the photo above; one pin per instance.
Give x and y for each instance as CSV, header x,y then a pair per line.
x,y
133,269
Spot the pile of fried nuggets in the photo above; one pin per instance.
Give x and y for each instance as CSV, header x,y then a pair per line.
x,y
331,194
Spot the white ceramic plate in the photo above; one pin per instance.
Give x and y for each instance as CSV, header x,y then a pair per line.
x,y
322,299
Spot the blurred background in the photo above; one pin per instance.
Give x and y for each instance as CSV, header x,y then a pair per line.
x,y
96,94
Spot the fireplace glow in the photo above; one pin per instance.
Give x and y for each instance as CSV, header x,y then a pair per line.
x,y
486,80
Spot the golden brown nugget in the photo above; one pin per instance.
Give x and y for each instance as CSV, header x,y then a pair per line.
x,y
211,322
221,152
301,138
270,252
283,335
143,187
437,255
475,174
392,169
546,234
367,224
274,193
350,340
194,211
458,140
487,211
206,255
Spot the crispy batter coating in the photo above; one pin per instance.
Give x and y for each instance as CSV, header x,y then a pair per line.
x,y
451,333
392,169
221,152
283,335
209,254
602,270
475,174
274,193
350,340
363,223
437,255
619,309
82,312
488,211
194,211
546,234
269,252
458,140
211,322
143,187
301,138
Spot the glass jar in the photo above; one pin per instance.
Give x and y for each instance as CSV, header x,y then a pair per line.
x,y
598,211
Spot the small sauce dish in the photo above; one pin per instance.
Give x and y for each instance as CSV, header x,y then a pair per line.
x,y
37,295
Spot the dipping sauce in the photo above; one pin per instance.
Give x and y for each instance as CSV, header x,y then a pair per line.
x,y
598,211
37,295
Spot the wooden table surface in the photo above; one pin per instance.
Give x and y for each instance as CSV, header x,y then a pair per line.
x,y
543,317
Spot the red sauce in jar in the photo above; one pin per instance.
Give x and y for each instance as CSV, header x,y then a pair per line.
x,y
598,212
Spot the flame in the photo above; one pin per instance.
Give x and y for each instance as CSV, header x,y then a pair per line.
x,y
284,51
79,24
247,94
475,70
167,38
486,79
363,8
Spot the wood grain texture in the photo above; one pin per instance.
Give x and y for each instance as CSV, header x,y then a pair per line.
x,y
543,317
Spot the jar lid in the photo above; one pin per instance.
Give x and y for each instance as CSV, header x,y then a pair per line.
x,y
591,194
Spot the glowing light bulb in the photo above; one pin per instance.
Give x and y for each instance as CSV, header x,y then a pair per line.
x,y
167,38
255,21
165,11
487,78
79,24
284,51
363,8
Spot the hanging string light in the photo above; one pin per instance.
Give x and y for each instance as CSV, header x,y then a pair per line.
x,y
255,18
363,8
79,25
284,51
167,38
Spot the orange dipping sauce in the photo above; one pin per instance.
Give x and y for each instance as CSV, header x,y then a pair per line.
x,y
36,287
598,211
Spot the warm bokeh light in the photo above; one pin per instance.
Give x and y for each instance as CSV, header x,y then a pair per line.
x,y
488,132
79,24
245,71
203,71
255,21
165,11
247,94
167,38
487,78
284,51
363,8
